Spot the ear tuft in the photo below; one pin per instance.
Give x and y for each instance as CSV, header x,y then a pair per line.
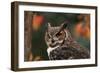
x,y
64,25
49,25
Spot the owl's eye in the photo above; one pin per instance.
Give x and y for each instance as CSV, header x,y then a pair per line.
x,y
48,35
59,34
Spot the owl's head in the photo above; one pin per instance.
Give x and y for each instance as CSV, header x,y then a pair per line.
x,y
55,36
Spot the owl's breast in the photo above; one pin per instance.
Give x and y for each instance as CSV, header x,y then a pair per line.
x,y
62,53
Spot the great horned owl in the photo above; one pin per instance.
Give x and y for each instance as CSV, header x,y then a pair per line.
x,y
62,46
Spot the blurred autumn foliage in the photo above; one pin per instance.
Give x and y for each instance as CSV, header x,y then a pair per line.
x,y
37,21
82,28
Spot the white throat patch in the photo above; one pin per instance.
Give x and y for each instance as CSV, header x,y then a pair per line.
x,y
49,49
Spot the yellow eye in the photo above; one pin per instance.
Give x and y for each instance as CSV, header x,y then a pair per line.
x,y
59,34
48,35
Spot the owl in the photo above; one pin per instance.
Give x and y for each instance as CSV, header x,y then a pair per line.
x,y
61,45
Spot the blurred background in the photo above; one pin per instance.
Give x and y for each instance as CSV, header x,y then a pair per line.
x,y
36,25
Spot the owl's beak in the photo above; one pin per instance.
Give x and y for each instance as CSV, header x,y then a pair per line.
x,y
52,41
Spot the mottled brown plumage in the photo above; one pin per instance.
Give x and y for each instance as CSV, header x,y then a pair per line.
x,y
61,44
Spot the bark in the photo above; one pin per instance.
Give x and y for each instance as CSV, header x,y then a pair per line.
x,y
27,34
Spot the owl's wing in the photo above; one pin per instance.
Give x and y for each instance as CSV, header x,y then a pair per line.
x,y
67,53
